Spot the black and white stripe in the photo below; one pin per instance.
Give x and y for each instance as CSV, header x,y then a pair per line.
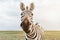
x,y
30,14
35,32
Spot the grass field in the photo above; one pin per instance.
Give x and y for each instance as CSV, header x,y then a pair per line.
x,y
19,35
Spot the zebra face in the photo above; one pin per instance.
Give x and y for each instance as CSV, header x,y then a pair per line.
x,y
26,16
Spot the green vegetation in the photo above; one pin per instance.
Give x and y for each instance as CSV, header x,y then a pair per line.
x,y
19,35
11,35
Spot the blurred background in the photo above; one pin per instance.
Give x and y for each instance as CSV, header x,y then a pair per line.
x,y
46,13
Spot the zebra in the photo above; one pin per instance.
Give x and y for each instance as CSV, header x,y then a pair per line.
x,y
33,31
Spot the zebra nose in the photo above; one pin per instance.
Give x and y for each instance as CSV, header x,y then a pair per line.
x,y
26,19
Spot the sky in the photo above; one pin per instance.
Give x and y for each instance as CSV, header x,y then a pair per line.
x,y
46,13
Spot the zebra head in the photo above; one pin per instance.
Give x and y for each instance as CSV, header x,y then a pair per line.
x,y
26,16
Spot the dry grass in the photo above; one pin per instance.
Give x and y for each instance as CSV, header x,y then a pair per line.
x,y
19,35
52,35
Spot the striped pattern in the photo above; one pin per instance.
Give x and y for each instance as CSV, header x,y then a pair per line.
x,y
28,14
37,33
33,31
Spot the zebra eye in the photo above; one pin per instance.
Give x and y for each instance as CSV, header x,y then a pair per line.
x,y
22,13
31,15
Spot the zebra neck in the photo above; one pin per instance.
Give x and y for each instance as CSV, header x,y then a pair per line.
x,y
32,34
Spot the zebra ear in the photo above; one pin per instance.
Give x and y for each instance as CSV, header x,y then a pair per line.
x,y
22,6
31,6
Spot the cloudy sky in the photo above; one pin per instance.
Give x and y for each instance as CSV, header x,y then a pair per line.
x,y
46,13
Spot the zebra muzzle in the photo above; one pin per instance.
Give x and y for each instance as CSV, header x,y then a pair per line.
x,y
25,24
